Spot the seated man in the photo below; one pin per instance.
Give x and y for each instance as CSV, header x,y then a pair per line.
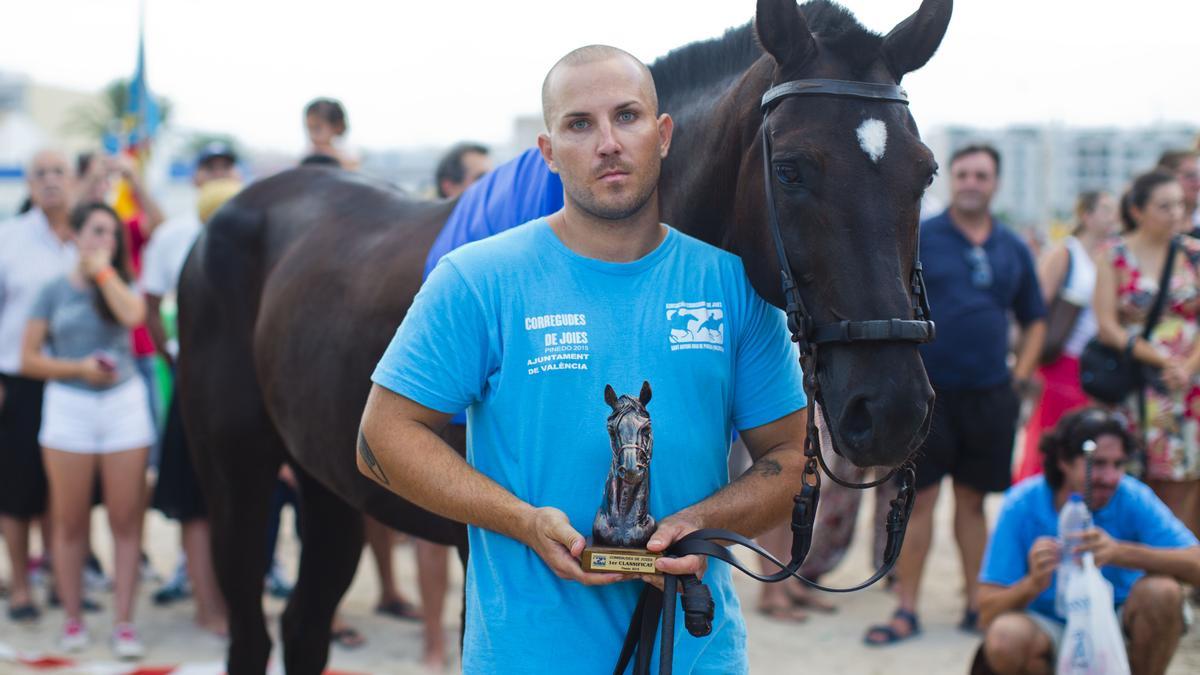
x,y
1139,546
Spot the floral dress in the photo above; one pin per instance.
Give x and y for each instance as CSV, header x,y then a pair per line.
x,y
1172,435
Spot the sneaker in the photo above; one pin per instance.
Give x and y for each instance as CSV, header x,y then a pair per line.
x,y
277,585
177,588
125,642
94,578
74,636
146,571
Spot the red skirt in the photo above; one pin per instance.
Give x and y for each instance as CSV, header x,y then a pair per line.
x,y
1061,393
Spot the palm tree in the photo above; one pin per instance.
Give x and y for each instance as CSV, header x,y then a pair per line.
x,y
102,117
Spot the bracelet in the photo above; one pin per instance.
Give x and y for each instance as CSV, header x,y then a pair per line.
x,y
104,275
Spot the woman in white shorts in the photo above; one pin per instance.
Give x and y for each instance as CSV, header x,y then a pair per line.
x,y
95,416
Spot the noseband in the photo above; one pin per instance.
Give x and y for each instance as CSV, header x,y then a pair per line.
x,y
808,336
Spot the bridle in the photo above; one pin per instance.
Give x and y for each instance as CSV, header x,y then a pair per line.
x,y
809,336
638,447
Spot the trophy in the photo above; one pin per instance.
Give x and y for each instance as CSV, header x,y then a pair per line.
x,y
623,523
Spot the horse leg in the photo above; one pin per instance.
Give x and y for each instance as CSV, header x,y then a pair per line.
x,y
333,542
238,522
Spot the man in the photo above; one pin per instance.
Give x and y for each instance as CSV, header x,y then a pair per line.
x,y
977,271
464,164
168,248
35,248
1139,546
217,178
524,330
458,169
1185,164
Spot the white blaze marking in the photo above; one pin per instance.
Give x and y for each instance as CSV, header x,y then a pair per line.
x,y
872,138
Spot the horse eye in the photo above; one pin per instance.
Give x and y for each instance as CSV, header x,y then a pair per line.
x,y
787,173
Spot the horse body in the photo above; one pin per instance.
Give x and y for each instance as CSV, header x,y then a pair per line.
x,y
292,294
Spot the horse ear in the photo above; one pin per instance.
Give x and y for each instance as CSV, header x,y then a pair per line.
x,y
644,397
783,32
914,40
610,396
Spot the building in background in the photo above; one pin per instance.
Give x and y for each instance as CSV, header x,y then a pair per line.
x,y
1046,167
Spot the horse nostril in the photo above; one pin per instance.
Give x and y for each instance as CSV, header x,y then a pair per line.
x,y
620,472
856,421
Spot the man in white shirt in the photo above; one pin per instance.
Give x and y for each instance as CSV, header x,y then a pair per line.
x,y
168,248
35,248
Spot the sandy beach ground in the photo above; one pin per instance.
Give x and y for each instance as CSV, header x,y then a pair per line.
x,y
823,644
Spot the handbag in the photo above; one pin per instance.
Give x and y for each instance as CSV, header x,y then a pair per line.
x,y
1060,319
1109,375
1092,642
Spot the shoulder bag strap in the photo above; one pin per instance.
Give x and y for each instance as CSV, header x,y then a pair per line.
x,y
1164,287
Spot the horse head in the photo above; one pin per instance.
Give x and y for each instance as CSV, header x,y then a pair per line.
x,y
629,434
847,176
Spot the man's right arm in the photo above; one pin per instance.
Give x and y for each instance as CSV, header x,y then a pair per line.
x,y
995,599
399,448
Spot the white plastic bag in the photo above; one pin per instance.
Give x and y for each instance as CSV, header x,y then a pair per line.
x,y
1092,643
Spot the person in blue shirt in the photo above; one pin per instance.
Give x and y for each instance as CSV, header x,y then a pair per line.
x,y
978,273
525,329
1139,546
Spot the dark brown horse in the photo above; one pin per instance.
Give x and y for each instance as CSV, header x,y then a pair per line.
x,y
291,296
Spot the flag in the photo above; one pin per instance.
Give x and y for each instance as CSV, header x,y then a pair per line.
x,y
139,124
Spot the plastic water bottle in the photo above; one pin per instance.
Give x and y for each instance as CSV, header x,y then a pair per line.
x,y
1073,519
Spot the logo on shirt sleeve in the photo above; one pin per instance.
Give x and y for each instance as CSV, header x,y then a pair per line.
x,y
696,325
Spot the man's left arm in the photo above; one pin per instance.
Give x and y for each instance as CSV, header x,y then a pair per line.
x,y
1030,310
1180,563
756,501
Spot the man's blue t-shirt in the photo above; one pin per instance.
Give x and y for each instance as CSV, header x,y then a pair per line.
x,y
515,192
971,348
1133,514
525,333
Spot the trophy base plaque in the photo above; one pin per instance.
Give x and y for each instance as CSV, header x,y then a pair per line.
x,y
608,559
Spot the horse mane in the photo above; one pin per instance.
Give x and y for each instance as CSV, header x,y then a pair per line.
x,y
627,404
707,62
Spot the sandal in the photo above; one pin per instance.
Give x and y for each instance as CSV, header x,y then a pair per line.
x,y
399,609
347,638
970,622
886,634
26,613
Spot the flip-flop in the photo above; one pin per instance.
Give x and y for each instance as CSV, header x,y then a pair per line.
x,y
400,609
347,638
970,622
784,613
889,634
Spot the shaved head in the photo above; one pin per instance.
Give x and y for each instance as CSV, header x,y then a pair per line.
x,y
588,55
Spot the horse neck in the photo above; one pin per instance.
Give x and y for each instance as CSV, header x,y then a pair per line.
x,y
715,130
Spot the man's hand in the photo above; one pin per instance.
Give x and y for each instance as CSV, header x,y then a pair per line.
x,y
551,536
1043,560
672,529
1097,542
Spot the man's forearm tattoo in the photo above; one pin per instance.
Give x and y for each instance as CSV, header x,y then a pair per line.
x,y
766,467
368,457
